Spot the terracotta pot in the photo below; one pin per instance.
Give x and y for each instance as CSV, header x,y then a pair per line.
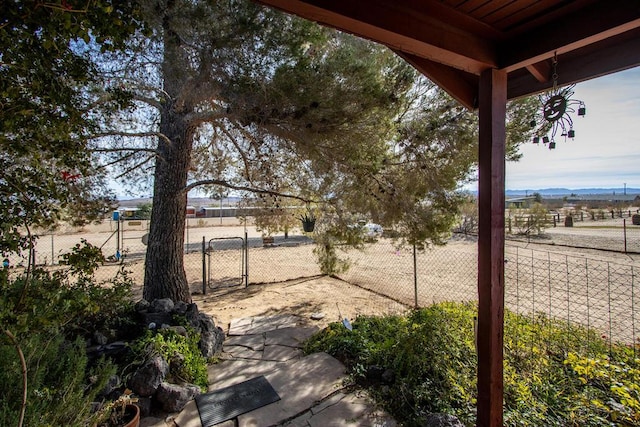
x,y
135,422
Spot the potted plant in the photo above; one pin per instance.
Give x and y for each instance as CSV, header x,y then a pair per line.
x,y
308,221
122,412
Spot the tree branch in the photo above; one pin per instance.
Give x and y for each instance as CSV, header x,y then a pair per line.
x,y
134,167
131,135
118,150
200,117
243,188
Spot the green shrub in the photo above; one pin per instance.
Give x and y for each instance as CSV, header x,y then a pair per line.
x,y
60,386
47,315
168,343
555,374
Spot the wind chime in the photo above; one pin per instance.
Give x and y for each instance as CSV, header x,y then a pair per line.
x,y
554,115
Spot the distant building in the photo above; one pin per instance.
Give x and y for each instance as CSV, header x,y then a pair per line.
x,y
519,202
605,199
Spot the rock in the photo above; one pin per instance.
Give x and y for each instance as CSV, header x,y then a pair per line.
x,y
173,398
180,308
164,305
211,337
388,376
192,316
145,381
142,305
144,403
156,318
440,420
99,338
112,384
318,316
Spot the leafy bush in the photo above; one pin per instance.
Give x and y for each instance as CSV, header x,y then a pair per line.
x,y
192,368
46,316
60,384
555,374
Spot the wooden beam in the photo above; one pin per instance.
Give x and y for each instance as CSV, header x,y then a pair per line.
x,y
420,34
588,25
463,87
491,173
540,71
602,58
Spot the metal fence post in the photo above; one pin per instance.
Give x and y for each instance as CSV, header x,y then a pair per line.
x,y
204,267
246,259
624,230
415,276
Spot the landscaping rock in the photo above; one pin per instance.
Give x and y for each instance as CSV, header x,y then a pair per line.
x,y
441,420
99,338
180,308
142,305
164,305
144,403
145,381
173,397
211,337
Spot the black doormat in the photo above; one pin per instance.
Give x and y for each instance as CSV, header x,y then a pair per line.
x,y
229,402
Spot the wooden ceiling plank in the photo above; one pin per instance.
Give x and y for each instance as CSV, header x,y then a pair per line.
x,y
532,9
491,8
470,6
498,17
588,26
428,9
398,30
462,87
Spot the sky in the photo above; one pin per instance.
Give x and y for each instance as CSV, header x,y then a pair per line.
x,y
606,150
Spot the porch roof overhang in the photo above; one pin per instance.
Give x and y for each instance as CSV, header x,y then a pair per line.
x,y
483,53
453,41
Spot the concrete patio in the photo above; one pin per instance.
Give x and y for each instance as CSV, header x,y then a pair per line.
x,y
313,389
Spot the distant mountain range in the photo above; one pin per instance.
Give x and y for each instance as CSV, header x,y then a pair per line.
x,y
545,192
191,201
577,191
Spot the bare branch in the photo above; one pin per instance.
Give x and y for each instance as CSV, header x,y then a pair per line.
x,y
149,101
132,135
244,188
134,167
198,118
118,150
241,152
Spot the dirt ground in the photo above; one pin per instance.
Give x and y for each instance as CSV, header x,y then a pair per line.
x,y
589,286
331,298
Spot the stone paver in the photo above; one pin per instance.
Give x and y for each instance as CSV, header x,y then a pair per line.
x,y
261,324
300,386
310,388
292,337
254,342
281,353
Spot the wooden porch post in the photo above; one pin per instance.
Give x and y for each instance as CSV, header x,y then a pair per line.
x,y
492,111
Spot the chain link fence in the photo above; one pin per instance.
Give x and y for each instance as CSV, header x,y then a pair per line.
x,y
595,291
613,231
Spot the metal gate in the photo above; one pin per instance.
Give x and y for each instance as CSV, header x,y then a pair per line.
x,y
226,263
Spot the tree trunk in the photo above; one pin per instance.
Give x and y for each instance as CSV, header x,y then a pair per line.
x,y
164,275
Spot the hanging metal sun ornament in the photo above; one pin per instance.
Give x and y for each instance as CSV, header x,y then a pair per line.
x,y
555,112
